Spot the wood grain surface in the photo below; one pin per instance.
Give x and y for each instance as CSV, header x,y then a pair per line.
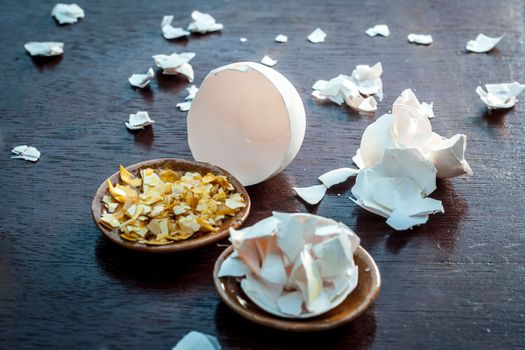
x,y
457,282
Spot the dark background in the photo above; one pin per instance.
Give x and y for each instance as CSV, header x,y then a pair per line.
x,y
455,283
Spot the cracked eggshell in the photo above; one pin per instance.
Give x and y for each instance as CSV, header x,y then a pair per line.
x,y
248,119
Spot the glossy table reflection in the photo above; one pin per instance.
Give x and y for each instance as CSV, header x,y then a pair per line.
x,y
457,282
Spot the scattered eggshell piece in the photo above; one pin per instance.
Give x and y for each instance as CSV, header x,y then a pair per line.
x,y
141,80
44,48
368,79
197,341
337,176
378,29
139,120
281,38
169,32
420,39
317,36
483,43
500,95
176,64
67,13
186,105
311,195
243,40
26,153
203,23
268,61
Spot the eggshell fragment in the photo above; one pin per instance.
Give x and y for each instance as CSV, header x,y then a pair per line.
x,y
67,13
26,153
248,119
409,127
281,38
268,61
337,176
141,80
176,64
169,32
317,36
311,195
500,95
483,43
397,186
46,48
378,29
203,23
139,120
420,39
197,341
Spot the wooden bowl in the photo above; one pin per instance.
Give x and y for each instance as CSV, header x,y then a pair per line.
x,y
354,305
97,207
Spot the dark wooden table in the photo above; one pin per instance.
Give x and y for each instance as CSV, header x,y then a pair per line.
x,y
457,282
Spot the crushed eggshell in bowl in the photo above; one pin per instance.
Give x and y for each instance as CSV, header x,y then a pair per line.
x,y
169,205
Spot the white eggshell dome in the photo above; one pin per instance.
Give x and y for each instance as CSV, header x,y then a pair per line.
x,y
247,119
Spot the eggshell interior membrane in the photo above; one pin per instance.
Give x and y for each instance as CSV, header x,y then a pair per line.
x,y
247,119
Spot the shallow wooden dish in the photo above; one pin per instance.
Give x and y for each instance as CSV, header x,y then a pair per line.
x,y
354,305
97,206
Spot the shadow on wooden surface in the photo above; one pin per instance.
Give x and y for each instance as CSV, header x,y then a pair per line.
x,y
233,330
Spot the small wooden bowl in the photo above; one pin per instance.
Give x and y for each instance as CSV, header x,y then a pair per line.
x,y
97,207
354,305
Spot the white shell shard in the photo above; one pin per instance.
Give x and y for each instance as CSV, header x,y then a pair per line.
x,y
197,341
251,111
26,153
428,108
268,61
141,80
44,48
337,176
368,104
290,303
243,40
365,81
448,155
186,105
396,188
500,95
169,32
368,79
483,43
176,64
296,265
317,36
233,267
138,121
67,13
311,195
281,38
378,29
409,127
203,23
420,39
